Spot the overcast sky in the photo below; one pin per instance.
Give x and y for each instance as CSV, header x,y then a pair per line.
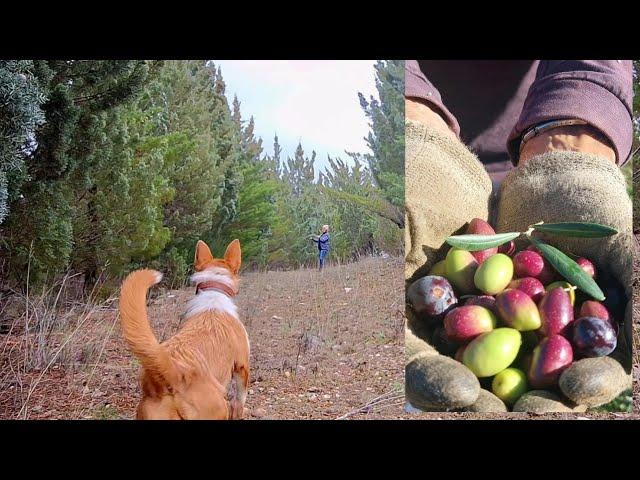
x,y
313,101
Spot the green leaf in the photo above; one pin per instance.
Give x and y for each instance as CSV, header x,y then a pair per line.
x,y
576,229
472,242
569,269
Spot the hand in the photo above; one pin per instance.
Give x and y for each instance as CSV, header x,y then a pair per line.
x,y
561,186
446,187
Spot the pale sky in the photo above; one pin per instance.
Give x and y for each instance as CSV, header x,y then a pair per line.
x,y
313,101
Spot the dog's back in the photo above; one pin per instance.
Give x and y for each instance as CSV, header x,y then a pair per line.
x,y
202,372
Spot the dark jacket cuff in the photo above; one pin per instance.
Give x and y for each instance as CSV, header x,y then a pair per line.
x,y
417,86
565,96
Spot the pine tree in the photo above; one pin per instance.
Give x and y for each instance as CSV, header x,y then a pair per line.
x,y
300,212
274,167
21,98
256,208
298,171
386,138
227,137
123,226
78,92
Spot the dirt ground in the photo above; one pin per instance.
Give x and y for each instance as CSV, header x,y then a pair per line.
x,y
323,346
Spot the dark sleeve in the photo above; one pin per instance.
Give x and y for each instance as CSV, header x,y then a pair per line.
x,y
416,85
599,92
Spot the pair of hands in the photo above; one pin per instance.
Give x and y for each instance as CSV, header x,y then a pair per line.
x,y
571,138
562,176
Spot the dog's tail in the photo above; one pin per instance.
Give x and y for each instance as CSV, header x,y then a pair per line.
x,y
136,328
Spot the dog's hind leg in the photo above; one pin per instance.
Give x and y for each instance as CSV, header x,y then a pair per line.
x,y
237,392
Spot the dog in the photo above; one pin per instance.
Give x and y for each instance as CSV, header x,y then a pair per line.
x,y
202,372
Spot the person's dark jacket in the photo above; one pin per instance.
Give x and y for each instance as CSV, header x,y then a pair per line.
x,y
323,242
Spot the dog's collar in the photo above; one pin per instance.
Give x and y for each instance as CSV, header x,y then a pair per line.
x,y
213,285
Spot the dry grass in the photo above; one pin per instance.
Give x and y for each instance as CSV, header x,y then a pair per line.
x,y
46,332
323,345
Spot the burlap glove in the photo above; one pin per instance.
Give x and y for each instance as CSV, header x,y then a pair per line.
x,y
574,186
446,186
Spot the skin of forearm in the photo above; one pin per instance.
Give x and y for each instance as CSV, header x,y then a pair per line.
x,y
577,138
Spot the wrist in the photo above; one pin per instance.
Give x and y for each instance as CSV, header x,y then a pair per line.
x,y
578,138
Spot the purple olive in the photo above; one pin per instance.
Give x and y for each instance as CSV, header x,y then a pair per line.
x,y
529,263
432,296
507,248
593,337
550,358
486,301
529,285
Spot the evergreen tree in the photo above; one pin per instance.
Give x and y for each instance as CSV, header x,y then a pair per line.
x,y
227,145
114,165
255,205
21,98
124,221
386,138
300,212
274,167
298,171
78,92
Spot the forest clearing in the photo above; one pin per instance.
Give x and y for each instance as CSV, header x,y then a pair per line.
x,y
323,346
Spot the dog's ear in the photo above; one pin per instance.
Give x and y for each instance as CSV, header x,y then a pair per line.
x,y
203,256
233,256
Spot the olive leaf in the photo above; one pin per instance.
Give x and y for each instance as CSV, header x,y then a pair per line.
x,y
472,242
576,229
569,269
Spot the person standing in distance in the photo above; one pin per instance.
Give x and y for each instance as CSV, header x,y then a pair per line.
x,y
323,245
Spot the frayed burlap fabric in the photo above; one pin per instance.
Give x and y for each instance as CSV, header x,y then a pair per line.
x,y
446,186
573,186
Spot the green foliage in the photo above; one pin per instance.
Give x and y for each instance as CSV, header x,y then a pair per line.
x,y
108,166
386,138
386,142
39,233
345,197
622,403
122,220
256,190
77,93
21,98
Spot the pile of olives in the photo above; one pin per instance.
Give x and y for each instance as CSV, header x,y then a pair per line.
x,y
509,317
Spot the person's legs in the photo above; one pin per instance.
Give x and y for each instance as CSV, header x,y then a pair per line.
x,y
323,254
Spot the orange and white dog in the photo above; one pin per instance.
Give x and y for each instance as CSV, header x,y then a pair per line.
x,y
202,372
